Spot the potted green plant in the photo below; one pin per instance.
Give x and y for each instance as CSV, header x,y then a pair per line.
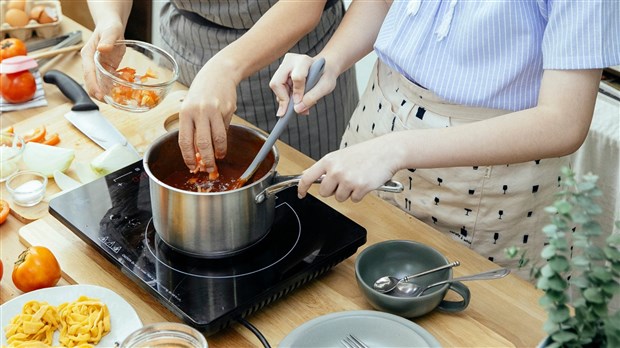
x,y
590,271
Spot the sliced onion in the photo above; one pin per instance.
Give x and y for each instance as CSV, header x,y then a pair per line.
x,y
112,159
47,159
84,172
65,182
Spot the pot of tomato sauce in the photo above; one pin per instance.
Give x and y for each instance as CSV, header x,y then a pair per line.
x,y
203,217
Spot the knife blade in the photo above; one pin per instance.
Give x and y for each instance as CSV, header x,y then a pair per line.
x,y
85,114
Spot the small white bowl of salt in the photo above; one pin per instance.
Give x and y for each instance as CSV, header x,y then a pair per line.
x,y
27,188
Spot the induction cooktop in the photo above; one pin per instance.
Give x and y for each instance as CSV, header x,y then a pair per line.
x,y
113,215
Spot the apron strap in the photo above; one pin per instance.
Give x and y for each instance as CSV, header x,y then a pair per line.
x,y
430,101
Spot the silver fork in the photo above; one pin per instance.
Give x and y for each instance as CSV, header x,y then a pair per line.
x,y
353,342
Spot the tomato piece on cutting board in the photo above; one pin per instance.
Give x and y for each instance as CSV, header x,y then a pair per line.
x,y
36,135
5,209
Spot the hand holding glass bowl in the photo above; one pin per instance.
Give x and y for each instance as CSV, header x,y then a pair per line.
x,y
135,76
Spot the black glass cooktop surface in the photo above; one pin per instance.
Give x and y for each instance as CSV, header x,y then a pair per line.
x,y
113,214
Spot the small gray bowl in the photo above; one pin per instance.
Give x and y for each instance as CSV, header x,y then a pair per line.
x,y
400,258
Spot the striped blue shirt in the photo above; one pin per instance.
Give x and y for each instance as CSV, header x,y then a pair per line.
x,y
492,53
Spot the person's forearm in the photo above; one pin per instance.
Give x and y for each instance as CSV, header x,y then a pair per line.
x,y
356,35
556,127
113,10
270,37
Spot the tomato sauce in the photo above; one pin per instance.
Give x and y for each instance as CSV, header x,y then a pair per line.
x,y
200,182
242,148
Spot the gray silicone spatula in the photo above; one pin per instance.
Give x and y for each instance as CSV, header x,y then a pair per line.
x,y
314,74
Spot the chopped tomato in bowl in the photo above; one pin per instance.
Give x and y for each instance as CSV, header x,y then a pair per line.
x,y
125,85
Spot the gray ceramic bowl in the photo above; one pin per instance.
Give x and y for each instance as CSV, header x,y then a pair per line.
x,y
400,258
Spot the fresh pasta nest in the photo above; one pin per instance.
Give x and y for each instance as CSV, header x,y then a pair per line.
x,y
82,323
36,322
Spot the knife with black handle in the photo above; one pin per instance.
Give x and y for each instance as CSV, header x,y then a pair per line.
x,y
85,114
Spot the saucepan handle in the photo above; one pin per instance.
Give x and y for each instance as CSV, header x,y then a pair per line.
x,y
282,182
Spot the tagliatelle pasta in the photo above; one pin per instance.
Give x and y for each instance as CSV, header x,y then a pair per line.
x,y
82,324
36,322
84,321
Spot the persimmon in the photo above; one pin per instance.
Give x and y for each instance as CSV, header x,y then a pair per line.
x,y
36,268
12,47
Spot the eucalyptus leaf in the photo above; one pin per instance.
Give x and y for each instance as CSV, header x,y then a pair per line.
x,y
559,315
564,336
580,217
560,243
551,210
614,238
601,273
592,228
586,185
612,253
594,252
559,264
580,260
593,295
557,283
579,302
550,327
563,207
580,282
611,288
550,229
548,251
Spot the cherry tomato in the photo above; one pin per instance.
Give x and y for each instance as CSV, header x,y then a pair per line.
x,y
35,268
12,47
4,211
17,87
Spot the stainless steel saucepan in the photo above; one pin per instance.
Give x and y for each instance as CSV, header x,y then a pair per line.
x,y
216,224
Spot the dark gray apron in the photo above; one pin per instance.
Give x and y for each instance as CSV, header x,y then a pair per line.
x,y
194,31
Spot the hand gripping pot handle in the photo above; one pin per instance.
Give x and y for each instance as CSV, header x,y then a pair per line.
x,y
286,181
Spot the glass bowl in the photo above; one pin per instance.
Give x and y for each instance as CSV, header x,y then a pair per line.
x,y
165,334
27,188
135,76
11,149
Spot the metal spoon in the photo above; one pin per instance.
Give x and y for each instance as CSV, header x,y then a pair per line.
x,y
314,74
415,290
388,283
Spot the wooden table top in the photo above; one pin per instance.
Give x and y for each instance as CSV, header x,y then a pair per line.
x,y
502,313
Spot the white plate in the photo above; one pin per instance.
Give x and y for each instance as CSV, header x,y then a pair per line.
x,y
375,329
123,318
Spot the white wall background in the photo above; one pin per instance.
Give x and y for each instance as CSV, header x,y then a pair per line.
x,y
363,67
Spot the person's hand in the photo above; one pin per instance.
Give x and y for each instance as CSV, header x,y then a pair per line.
x,y
352,172
102,40
290,79
205,115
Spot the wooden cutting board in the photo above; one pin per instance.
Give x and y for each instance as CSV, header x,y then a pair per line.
x,y
139,128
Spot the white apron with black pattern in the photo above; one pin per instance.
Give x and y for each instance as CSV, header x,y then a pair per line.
x,y
486,208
